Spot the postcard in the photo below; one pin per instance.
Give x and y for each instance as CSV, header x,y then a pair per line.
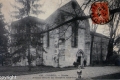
x,y
59,39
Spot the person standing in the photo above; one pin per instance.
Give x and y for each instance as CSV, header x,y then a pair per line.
x,y
84,63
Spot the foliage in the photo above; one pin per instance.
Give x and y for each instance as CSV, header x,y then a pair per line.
x,y
3,37
76,64
115,58
24,29
113,27
26,35
26,8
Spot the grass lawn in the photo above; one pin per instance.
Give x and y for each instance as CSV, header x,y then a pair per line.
x,y
7,71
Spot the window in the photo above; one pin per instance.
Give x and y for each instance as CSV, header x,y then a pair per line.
x,y
62,35
74,39
48,38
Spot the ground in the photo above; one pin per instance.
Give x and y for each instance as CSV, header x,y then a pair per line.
x,y
69,73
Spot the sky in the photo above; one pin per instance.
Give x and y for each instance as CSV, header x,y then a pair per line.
x,y
49,6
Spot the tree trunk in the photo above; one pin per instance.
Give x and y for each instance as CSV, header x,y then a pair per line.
x,y
110,49
101,55
29,44
29,58
2,60
91,48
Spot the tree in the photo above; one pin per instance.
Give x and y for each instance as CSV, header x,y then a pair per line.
x,y
26,8
25,28
3,38
114,6
113,27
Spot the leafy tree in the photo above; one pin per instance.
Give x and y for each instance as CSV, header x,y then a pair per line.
x,y
114,7
3,38
113,26
26,8
24,29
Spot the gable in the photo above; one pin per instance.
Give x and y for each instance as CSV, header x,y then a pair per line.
x,y
65,13
69,9
33,21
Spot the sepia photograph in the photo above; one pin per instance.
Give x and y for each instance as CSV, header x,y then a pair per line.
x,y
59,39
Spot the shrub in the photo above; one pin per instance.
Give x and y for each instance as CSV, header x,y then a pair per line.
x,y
75,64
115,59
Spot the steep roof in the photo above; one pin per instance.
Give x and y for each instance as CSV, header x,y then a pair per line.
x,y
33,21
69,8
29,19
99,35
66,10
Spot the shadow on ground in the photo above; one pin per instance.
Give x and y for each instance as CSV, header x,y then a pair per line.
x,y
5,70
110,76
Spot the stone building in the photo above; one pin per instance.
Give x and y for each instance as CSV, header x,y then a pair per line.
x,y
66,44
100,45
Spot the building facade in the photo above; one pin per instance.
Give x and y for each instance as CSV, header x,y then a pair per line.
x,y
66,44
100,46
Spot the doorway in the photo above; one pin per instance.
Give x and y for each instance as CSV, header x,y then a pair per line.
x,y
79,56
79,59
